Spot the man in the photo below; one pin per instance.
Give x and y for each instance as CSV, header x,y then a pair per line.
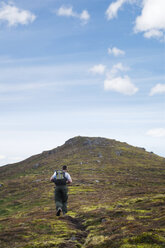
x,y
61,179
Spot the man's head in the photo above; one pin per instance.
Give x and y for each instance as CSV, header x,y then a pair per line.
x,y
64,167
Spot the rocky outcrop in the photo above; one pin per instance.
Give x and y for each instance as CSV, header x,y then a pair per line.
x,y
87,141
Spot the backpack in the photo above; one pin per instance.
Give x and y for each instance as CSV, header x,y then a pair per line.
x,y
60,178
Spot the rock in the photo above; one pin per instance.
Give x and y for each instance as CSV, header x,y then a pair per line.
x,y
48,153
36,165
118,152
95,142
103,220
100,155
119,206
87,142
83,163
73,238
69,142
98,161
97,181
100,141
36,181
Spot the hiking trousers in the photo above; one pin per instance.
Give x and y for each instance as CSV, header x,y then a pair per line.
x,y
61,197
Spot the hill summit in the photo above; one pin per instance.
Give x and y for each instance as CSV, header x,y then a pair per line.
x,y
116,199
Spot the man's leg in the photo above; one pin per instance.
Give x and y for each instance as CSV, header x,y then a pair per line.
x,y
58,198
64,199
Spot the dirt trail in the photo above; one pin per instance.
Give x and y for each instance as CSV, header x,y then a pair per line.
x,y
77,224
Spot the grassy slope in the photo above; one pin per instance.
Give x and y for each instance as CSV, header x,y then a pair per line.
x,y
116,199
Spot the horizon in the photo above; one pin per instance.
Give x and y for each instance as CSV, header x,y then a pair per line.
x,y
88,68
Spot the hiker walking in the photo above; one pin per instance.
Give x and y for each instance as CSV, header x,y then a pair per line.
x,y
61,178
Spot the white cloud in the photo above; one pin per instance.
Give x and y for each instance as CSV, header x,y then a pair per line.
x,y
156,132
98,69
113,8
120,67
68,12
120,84
84,16
153,33
14,16
152,19
117,68
115,81
115,51
157,89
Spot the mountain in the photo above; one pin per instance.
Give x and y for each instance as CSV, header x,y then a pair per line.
x,y
117,198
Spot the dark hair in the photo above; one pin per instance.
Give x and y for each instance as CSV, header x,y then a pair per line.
x,y
64,167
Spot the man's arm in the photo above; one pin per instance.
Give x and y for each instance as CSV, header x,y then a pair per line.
x,y
69,179
52,177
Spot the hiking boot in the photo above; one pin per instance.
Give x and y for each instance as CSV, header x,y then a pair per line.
x,y
58,212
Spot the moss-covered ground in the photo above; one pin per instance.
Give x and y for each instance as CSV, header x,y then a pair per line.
x,y
117,198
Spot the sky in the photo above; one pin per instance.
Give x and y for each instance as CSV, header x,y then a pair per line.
x,y
79,67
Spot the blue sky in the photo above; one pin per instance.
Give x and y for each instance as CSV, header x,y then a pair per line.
x,y
79,67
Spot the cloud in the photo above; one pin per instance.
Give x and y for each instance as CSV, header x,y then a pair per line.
x,y
84,16
117,68
156,132
64,11
120,84
113,9
98,69
115,51
68,12
152,19
14,16
115,81
157,89
153,34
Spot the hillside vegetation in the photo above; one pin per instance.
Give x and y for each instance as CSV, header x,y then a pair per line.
x,y
116,200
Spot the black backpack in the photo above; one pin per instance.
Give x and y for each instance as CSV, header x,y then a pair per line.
x,y
60,178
